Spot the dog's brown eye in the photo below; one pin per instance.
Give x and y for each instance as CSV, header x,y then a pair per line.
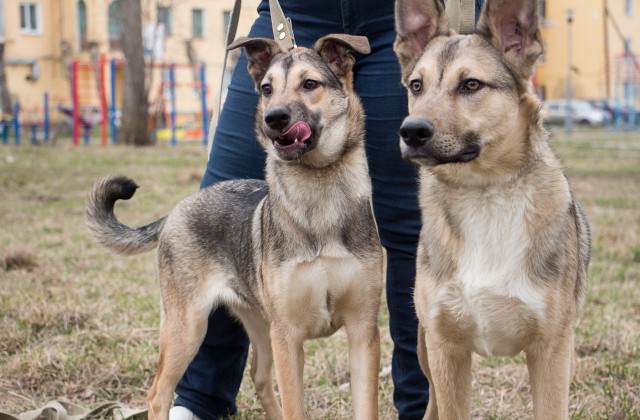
x,y
416,86
266,89
470,85
310,84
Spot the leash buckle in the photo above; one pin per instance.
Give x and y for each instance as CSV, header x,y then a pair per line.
x,y
282,27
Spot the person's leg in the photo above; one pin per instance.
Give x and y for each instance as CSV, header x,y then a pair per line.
x,y
210,385
479,6
377,81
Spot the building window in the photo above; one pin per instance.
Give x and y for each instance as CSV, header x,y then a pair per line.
x,y
2,20
115,25
197,23
164,18
543,10
30,18
628,7
542,92
226,21
82,24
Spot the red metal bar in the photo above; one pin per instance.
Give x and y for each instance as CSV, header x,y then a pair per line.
x,y
76,103
103,99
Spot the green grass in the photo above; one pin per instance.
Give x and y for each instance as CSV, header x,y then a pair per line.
x,y
81,324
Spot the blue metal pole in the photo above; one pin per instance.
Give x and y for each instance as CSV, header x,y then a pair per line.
x,y
112,119
633,116
46,118
75,103
172,90
5,132
34,134
16,123
617,115
87,134
203,94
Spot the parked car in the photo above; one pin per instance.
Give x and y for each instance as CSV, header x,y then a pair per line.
x,y
625,112
582,112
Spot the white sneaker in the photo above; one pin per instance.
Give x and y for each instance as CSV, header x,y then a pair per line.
x,y
181,413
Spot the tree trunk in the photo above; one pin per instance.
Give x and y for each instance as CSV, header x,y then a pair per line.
x,y
135,103
5,96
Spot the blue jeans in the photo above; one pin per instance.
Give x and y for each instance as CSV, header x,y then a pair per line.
x,y
210,385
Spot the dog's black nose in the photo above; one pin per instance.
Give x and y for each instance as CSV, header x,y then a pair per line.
x,y
277,118
416,133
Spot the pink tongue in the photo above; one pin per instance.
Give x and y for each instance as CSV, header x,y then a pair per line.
x,y
299,131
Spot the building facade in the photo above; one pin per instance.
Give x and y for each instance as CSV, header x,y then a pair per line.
x,y
598,41
43,37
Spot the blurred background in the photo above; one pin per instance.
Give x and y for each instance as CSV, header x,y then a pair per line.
x,y
71,69
589,74
81,325
68,68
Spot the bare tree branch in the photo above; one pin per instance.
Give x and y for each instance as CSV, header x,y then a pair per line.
x,y
5,96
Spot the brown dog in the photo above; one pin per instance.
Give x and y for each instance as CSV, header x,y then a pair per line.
x,y
294,258
504,249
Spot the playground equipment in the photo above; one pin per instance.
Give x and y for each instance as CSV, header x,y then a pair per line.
x,y
181,103
30,118
626,91
89,107
627,76
88,99
192,121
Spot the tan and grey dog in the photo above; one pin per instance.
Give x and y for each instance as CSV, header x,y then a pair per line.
x,y
504,249
294,258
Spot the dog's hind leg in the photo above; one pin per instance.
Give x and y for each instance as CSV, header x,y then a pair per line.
x,y
257,328
182,330
432,407
550,372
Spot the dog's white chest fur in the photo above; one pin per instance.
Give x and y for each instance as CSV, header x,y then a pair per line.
x,y
491,280
314,287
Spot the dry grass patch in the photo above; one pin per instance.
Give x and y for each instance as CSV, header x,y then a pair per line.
x,y
79,323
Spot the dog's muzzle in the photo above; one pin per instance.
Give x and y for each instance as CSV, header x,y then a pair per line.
x,y
421,143
297,133
291,141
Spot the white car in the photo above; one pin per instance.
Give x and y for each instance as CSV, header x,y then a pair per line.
x,y
582,112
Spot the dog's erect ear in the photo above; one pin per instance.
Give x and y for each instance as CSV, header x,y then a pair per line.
x,y
260,52
335,50
512,27
417,23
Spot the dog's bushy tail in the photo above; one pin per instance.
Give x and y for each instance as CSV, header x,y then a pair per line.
x,y
105,227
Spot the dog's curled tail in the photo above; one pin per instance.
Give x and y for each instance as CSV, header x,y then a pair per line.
x,y
105,227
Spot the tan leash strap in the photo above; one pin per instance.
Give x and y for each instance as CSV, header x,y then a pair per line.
x,y
282,33
462,15
217,104
65,410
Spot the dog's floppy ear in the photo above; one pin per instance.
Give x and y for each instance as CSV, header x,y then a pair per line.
x,y
260,52
512,27
336,49
417,23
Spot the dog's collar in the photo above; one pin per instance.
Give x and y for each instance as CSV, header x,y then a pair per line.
x,y
282,28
